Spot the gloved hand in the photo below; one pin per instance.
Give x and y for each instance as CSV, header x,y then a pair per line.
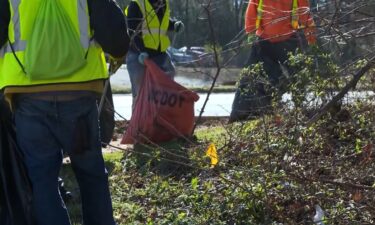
x,y
115,64
179,26
251,38
142,57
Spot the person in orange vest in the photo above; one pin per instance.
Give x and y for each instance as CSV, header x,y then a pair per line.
x,y
280,27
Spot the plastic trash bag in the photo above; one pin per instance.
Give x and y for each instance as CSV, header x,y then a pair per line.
x,y
15,188
163,110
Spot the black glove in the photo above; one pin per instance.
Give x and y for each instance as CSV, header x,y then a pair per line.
x,y
179,26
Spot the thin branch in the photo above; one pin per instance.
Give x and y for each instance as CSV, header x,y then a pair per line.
x,y
207,9
343,92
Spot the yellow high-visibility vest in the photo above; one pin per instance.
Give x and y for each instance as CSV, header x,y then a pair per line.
x,y
294,20
20,30
154,31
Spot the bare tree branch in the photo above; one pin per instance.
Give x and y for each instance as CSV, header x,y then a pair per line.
x,y
343,91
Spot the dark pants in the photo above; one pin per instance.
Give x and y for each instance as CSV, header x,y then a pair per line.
x,y
44,130
272,55
253,97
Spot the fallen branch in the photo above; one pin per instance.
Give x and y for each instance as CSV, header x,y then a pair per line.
x,y
303,179
345,184
343,92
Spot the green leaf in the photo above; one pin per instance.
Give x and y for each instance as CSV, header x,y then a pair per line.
x,y
194,183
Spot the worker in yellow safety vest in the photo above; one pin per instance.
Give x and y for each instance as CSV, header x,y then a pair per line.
x,y
52,68
148,24
280,27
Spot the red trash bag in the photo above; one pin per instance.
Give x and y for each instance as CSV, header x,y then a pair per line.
x,y
163,109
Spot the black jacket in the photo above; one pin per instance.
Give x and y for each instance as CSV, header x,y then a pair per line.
x,y
106,19
134,20
4,21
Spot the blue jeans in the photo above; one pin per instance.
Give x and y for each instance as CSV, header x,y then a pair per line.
x,y
46,129
136,70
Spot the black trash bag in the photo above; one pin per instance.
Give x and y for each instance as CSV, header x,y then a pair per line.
x,y
252,98
247,106
107,118
15,187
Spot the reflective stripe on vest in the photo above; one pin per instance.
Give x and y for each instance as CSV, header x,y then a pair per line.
x,y
154,32
294,16
18,44
294,21
259,14
20,29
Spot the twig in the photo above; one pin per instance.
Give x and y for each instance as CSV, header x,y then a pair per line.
x,y
207,9
324,180
345,184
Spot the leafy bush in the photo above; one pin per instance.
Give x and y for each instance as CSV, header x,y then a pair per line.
x,y
272,170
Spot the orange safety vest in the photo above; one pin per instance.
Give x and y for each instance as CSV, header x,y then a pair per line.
x,y
294,16
278,20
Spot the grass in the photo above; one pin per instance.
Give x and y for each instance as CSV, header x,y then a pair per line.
x,y
269,172
214,134
273,170
153,189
